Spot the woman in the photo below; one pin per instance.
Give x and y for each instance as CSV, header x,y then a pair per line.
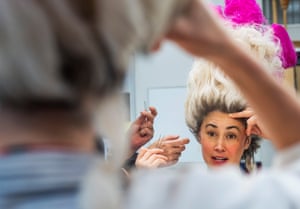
x,y
212,95
210,98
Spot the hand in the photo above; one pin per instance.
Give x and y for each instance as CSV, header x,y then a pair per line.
x,y
172,147
253,123
141,130
150,158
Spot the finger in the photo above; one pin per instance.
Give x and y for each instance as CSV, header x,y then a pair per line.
x,y
170,137
147,124
153,111
146,132
242,114
174,150
149,115
256,131
154,164
159,143
177,142
139,120
174,157
252,120
157,156
184,141
251,123
141,153
148,154
141,163
159,163
156,151
136,124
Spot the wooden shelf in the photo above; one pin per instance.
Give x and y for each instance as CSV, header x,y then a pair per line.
x,y
296,44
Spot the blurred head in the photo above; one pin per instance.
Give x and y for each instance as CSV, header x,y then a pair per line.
x,y
69,55
67,59
53,56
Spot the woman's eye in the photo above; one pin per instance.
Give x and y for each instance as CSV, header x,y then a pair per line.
x,y
211,133
231,136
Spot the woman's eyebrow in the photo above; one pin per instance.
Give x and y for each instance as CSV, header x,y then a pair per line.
x,y
211,124
233,127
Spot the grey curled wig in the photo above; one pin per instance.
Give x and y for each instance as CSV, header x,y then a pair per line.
x,y
209,90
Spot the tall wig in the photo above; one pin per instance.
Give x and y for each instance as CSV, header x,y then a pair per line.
x,y
210,89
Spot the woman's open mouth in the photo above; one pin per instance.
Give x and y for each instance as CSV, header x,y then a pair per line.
x,y
219,160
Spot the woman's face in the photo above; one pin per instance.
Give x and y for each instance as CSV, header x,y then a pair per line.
x,y
223,139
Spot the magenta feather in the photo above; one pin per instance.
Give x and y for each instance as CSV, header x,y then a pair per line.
x,y
288,54
244,12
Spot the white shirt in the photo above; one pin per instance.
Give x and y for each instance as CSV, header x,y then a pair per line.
x,y
226,188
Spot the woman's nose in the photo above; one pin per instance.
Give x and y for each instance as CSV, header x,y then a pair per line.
x,y
219,146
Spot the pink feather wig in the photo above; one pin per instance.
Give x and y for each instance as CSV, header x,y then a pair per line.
x,y
288,55
244,12
248,12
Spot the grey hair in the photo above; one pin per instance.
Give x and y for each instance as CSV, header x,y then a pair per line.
x,y
60,51
48,55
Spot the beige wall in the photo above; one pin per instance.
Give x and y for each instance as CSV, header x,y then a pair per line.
x,y
289,79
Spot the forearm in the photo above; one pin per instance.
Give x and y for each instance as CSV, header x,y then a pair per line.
x,y
278,109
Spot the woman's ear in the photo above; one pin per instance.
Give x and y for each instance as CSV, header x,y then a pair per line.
x,y
199,138
247,142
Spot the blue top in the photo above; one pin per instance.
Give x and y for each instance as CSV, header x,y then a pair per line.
x,y
42,180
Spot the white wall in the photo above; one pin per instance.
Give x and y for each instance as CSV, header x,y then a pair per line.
x,y
294,31
167,68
